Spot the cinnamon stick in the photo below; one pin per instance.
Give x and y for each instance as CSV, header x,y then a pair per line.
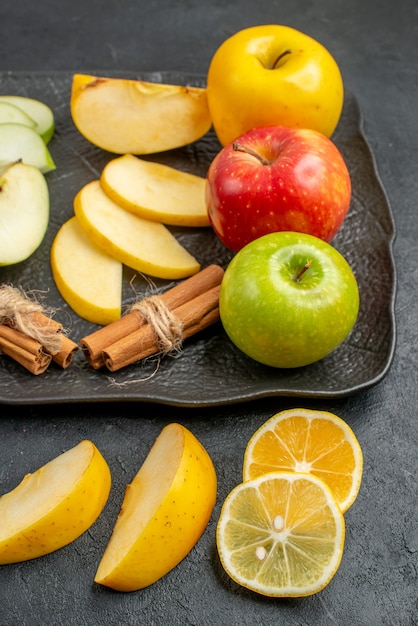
x,y
194,315
95,344
24,350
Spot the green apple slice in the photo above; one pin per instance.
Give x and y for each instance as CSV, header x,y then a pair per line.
x,y
24,212
38,111
89,280
21,143
9,113
148,247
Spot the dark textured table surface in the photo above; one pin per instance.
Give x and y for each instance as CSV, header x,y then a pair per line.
x,y
376,46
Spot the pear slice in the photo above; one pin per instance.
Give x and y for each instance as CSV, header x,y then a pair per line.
x,y
145,246
55,505
24,212
89,280
156,192
40,112
138,117
21,143
9,113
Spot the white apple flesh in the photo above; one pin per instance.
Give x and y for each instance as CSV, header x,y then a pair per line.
x,y
38,111
21,143
24,212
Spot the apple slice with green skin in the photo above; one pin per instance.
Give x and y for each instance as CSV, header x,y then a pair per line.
x,y
40,112
24,212
9,113
89,280
145,246
137,117
55,505
21,143
156,192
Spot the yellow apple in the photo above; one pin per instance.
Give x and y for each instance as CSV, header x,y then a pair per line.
x,y
88,279
273,75
55,505
155,191
165,510
145,246
135,116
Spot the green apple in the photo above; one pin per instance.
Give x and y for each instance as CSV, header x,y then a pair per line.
x,y
11,113
21,143
24,212
288,299
38,111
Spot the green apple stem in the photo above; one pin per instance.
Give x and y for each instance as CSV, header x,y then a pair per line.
x,y
297,278
240,148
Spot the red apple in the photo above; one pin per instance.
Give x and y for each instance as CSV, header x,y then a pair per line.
x,y
275,179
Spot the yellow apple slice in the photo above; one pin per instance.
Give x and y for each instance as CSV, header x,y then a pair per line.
x,y
24,211
165,510
54,506
145,246
135,116
156,192
89,280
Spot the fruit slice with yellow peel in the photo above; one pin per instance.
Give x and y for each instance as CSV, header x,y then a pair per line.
x,y
89,280
135,116
145,246
54,506
281,534
303,440
155,191
165,510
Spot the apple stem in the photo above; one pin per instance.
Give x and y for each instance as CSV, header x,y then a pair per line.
x,y
239,147
280,57
301,272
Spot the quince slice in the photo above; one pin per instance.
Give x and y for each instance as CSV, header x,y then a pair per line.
x,y
145,246
89,280
54,506
122,115
155,191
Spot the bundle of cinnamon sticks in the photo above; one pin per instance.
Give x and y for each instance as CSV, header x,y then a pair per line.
x,y
29,336
157,324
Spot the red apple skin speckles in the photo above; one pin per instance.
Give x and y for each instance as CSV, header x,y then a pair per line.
x,y
298,182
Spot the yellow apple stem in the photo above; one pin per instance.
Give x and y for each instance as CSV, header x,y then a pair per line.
x,y
279,58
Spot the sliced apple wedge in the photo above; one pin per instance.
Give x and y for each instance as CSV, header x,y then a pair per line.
x,y
156,192
54,506
21,143
137,117
145,246
89,280
164,513
9,113
24,212
40,112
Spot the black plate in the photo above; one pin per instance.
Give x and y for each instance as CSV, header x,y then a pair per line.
x,y
209,371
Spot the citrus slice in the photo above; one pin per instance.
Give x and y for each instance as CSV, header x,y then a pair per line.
x,y
304,440
281,534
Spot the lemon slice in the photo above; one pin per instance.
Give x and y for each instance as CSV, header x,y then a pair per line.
x,y
281,534
303,440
